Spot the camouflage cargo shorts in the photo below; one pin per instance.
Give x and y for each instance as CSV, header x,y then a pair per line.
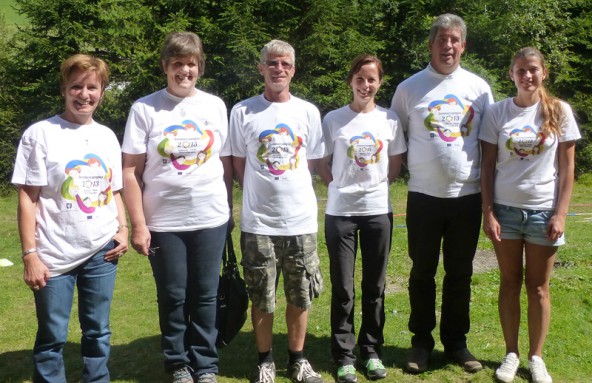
x,y
265,257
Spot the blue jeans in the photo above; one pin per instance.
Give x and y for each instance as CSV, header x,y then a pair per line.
x,y
186,269
95,281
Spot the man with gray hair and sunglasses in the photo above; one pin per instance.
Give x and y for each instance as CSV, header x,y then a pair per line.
x,y
276,143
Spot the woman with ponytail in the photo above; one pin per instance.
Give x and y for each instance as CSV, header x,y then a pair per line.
x,y
527,175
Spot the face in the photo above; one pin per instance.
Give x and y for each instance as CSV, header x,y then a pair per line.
x,y
182,74
365,83
82,95
277,72
446,50
528,74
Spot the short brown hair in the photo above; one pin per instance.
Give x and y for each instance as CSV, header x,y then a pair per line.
x,y
362,60
84,62
183,44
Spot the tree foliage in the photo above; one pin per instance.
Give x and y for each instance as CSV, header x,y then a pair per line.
x,y
327,34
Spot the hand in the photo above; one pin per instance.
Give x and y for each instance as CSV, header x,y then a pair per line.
x,y
35,274
121,245
141,239
491,228
555,227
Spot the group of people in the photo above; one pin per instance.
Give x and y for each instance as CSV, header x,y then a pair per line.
x,y
510,162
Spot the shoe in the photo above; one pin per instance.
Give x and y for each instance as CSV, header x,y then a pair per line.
x,y
207,378
265,373
507,370
374,369
301,372
346,374
538,370
418,360
182,375
466,360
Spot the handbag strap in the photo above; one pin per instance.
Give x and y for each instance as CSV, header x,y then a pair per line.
x,y
229,255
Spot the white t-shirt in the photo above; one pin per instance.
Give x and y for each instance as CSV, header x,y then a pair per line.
x,y
277,140
361,144
77,167
183,139
527,169
441,115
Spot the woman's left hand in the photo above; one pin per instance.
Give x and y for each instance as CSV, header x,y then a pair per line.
x,y
555,227
121,245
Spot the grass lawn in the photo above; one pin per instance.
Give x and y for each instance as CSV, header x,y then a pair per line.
x,y
136,355
11,16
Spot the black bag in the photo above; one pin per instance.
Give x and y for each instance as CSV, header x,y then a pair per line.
x,y
233,299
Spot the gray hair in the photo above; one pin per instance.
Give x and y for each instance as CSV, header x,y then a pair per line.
x,y
448,21
280,48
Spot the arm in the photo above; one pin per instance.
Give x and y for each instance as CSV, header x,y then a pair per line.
x,y
491,226
121,236
35,271
394,167
556,226
228,177
324,169
313,166
133,168
238,165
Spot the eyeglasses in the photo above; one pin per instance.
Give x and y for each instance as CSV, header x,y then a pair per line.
x,y
276,64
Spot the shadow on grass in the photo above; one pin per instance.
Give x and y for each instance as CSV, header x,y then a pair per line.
x,y
141,359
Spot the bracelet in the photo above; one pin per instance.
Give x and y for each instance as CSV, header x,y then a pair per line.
x,y
122,227
27,252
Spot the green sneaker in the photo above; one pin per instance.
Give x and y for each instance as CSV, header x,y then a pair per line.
x,y
346,374
374,369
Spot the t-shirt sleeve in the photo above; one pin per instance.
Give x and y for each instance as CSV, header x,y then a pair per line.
x,y
398,145
135,138
488,130
569,128
398,106
237,141
315,144
328,140
30,167
226,149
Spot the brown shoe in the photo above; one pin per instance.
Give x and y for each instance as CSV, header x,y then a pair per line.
x,y
418,360
466,360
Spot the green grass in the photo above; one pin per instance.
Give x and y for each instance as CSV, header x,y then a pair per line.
x,y
11,16
136,355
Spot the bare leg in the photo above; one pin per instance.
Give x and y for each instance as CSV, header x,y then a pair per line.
x,y
297,320
509,258
539,265
263,327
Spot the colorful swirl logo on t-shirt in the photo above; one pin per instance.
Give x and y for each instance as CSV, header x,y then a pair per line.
x,y
186,145
526,141
88,182
279,149
364,149
449,118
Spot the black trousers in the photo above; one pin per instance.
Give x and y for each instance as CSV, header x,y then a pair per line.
x,y
452,224
373,233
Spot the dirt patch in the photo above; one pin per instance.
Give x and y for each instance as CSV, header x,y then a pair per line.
x,y
485,261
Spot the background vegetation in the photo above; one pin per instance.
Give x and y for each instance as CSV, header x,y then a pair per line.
x,y
327,34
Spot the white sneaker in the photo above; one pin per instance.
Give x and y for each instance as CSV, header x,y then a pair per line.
x,y
538,370
507,370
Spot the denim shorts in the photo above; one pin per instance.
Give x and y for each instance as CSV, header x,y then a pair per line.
x,y
265,257
526,224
